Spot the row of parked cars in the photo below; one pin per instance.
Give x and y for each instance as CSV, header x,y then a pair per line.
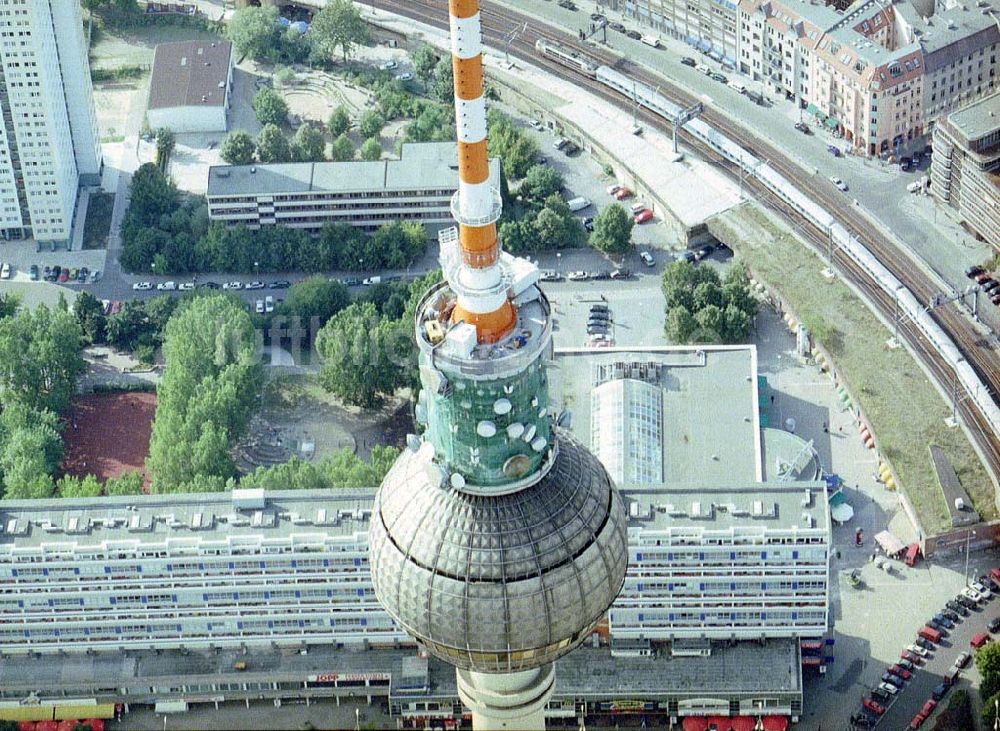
x,y
987,284
171,286
598,18
599,323
927,641
61,274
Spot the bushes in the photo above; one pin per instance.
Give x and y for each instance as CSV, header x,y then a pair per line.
x,y
121,73
701,308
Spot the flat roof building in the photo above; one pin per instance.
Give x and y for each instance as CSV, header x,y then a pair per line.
x,y
190,86
965,167
416,187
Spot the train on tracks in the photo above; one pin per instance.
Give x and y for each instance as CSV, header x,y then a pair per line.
x,y
910,308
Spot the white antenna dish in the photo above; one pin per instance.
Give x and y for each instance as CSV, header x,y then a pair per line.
x,y
501,406
515,430
486,429
457,481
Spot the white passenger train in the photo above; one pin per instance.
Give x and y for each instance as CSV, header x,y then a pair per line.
x,y
912,309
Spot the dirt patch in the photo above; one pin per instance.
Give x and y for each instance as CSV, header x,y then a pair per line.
x,y
107,435
98,224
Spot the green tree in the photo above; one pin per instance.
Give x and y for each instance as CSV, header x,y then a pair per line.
x,y
308,145
40,358
370,124
707,293
612,230
433,124
680,324
272,145
339,122
72,486
709,319
10,302
988,663
89,314
128,483
517,150
165,142
210,386
315,297
342,149
555,225
443,87
540,182
396,244
337,24
371,150
269,107
343,469
238,148
425,60
355,350
253,31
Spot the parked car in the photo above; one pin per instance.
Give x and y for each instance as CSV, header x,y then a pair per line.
x,y
186,286
369,281
210,285
994,625
966,601
972,594
936,626
46,272
704,68
600,308
979,586
838,183
953,616
280,284
995,299
647,258
939,691
957,608
643,216
982,277
963,659
873,706
167,286
979,640
588,223
929,634
833,150
259,307
535,123
905,163
918,650
703,252
888,677
634,35
269,304
617,27
351,281
256,284
917,721
803,128
907,664
570,149
601,276
888,688
560,143
899,670
95,275
116,307
622,193
142,286
973,271
72,273
943,621
63,276
578,276
405,76
233,285
81,275
907,656
388,65
880,695
33,272
550,275
716,76
621,274
5,271
688,61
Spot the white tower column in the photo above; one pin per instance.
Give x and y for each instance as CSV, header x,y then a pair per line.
x,y
507,700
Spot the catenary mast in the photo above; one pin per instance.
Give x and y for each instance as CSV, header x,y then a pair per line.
x,y
496,540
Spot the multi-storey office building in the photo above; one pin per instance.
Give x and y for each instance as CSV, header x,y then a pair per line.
x,y
48,138
417,187
965,168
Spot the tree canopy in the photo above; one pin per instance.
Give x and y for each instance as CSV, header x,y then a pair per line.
x,y
539,183
337,25
342,149
700,308
315,297
272,145
612,230
253,31
370,124
270,107
308,144
339,122
371,150
343,469
515,149
238,148
210,387
425,60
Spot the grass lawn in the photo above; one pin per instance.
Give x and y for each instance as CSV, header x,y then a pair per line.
x,y
905,411
98,224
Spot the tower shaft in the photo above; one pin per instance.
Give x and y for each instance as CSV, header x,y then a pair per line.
x,y
482,300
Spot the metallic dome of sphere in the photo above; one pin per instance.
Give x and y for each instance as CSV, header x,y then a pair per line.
x,y
499,583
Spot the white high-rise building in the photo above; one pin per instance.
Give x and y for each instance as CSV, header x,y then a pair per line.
x,y
48,139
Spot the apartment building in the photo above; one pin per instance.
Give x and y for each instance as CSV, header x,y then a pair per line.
x,y
708,25
189,571
419,186
48,139
965,167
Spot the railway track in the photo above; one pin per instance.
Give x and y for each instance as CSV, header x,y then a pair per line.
x,y
980,354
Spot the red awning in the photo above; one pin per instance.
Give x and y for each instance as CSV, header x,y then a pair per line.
x,y
775,723
721,723
742,723
695,723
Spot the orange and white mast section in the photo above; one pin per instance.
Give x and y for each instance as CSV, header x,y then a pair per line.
x,y
478,281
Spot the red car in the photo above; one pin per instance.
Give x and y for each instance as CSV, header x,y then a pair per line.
x,y
929,707
983,276
623,193
63,275
980,639
917,721
877,708
116,307
644,215
907,655
900,671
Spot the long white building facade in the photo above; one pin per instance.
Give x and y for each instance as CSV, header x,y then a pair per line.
x,y
48,139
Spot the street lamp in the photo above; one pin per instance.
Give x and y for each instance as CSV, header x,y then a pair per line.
x,y
558,260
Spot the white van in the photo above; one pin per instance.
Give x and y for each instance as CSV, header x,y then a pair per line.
x,y
578,204
5,271
651,41
737,86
